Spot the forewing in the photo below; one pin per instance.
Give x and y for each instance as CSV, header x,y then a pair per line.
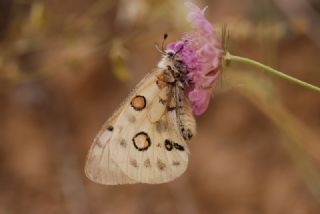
x,y
147,144
100,167
141,142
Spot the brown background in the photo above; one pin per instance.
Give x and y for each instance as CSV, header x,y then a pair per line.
x,y
66,65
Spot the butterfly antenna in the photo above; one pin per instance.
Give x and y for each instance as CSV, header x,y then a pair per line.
x,y
158,49
165,36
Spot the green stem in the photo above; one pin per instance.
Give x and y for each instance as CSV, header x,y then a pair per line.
x,y
230,57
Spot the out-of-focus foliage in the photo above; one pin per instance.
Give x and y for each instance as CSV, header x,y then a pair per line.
x,y
65,66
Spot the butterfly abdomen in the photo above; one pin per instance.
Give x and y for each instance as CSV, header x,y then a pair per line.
x,y
186,120
187,124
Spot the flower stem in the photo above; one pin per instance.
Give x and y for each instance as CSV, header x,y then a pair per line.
x,y
230,57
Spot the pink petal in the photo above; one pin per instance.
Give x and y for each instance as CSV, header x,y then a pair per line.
x,y
201,54
200,100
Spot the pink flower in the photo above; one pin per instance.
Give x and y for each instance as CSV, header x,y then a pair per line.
x,y
201,53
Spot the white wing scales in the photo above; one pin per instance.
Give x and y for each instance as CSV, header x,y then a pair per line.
x,y
100,168
154,165
144,145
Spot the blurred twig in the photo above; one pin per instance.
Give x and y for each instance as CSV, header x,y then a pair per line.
x,y
301,143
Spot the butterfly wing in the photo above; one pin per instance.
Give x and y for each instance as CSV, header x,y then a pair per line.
x,y
99,167
149,148
145,144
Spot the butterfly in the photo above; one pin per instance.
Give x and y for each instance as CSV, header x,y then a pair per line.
x,y
146,139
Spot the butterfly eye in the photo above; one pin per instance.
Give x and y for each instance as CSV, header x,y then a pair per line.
x,y
170,54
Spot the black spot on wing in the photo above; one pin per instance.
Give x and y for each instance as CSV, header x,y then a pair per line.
x,y
134,163
123,143
187,134
175,163
160,164
147,163
178,147
161,126
190,135
141,141
138,102
168,144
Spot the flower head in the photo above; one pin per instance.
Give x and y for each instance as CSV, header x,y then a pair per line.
x,y
200,50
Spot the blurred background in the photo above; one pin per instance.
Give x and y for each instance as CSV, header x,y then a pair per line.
x,y
65,66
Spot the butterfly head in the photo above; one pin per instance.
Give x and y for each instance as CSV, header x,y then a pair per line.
x,y
172,58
